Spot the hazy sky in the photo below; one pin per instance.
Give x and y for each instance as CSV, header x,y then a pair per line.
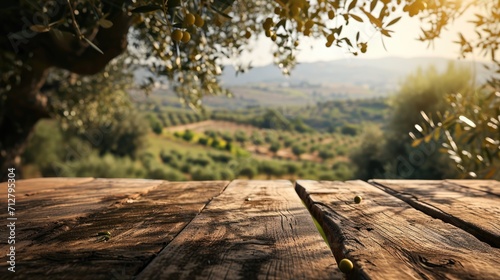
x,y
403,43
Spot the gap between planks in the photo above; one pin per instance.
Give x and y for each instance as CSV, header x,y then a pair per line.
x,y
388,239
141,225
475,209
252,230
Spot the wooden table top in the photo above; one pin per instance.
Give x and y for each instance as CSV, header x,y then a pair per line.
x,y
402,229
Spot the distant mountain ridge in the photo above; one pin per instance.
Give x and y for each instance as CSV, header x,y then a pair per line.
x,y
373,72
315,82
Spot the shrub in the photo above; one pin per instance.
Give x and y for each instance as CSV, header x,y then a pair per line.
x,y
249,171
226,174
291,168
287,142
201,160
341,150
298,150
220,157
175,163
147,159
349,130
227,137
166,157
107,166
164,173
203,173
241,137
216,143
270,168
275,146
203,141
185,168
188,135
327,176
155,124
325,154
210,133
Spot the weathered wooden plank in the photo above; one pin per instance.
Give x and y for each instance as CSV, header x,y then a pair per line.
x,y
472,210
64,202
36,196
388,239
29,187
488,186
140,227
253,230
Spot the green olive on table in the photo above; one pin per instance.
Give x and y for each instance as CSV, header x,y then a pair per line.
x,y
345,265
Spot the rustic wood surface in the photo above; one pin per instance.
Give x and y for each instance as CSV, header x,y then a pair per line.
x,y
488,186
254,230
463,204
388,239
142,216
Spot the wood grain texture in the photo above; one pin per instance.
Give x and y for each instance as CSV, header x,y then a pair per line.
x,y
488,186
71,201
31,186
468,208
140,226
253,230
388,239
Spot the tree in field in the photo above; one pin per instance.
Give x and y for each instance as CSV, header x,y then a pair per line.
x,y
257,140
270,168
470,135
298,150
369,158
188,135
226,136
392,154
248,171
155,124
185,42
275,147
326,154
241,137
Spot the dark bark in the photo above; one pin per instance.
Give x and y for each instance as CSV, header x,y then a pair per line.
x,y
25,105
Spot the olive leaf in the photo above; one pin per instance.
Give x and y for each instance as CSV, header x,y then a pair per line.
x,y
40,28
393,21
104,23
375,21
373,4
357,18
352,5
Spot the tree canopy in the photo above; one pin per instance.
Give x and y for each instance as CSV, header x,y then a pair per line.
x,y
186,41
390,154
